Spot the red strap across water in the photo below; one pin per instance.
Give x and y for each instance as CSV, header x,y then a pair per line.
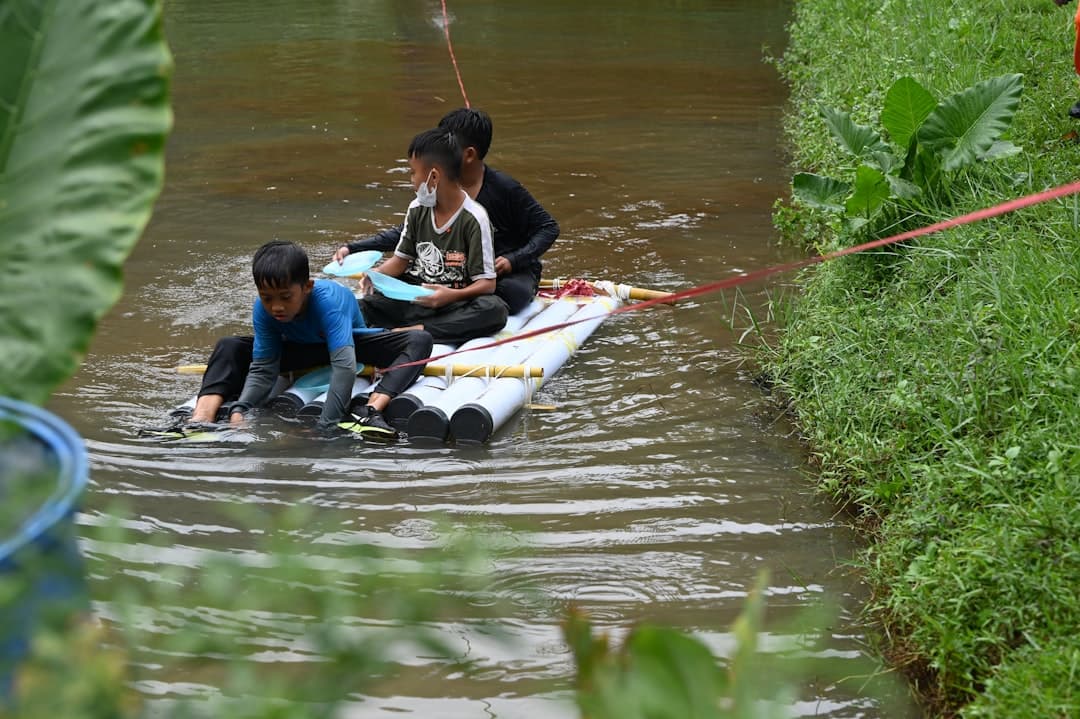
x,y
453,59
976,216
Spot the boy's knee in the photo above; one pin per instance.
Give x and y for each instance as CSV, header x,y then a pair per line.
x,y
517,290
420,343
230,344
515,296
232,347
492,313
492,306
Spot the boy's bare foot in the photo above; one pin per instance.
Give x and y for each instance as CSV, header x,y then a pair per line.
x,y
410,328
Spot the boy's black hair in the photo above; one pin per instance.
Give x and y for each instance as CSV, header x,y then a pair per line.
x,y
439,148
472,128
279,264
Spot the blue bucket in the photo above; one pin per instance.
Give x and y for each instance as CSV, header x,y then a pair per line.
x,y
40,562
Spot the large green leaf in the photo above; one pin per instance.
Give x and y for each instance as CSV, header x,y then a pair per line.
x,y
83,117
857,140
902,188
870,193
819,191
965,126
907,105
999,150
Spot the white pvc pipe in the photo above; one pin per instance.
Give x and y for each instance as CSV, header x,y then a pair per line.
x,y
478,420
424,390
516,321
432,421
361,386
427,389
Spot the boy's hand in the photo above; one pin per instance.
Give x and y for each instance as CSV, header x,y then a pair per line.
x,y
503,266
341,254
366,288
441,297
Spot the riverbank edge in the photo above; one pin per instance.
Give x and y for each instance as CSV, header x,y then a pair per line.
x,y
938,384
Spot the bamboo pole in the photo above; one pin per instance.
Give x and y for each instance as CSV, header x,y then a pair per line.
x,y
633,293
516,371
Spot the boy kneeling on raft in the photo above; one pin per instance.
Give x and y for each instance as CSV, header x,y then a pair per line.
x,y
302,323
446,246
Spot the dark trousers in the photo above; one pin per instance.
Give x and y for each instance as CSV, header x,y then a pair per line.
x,y
228,365
455,323
517,289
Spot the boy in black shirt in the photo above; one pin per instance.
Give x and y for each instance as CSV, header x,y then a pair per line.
x,y
523,228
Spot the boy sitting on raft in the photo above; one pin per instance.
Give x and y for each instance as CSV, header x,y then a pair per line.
x,y
445,246
302,323
523,229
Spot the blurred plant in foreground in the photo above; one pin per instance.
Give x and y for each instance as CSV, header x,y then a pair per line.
x,y
348,613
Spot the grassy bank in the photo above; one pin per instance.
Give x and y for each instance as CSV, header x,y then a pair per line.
x,y
938,384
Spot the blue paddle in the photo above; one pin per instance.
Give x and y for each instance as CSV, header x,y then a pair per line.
x,y
396,289
353,264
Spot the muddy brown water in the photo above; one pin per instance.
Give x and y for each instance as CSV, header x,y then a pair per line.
x,y
661,483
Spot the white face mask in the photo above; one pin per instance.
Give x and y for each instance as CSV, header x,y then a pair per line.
x,y
424,195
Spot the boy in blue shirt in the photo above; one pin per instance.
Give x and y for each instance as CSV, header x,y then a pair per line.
x,y
302,323
446,246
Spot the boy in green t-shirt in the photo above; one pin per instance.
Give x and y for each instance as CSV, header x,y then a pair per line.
x,y
446,246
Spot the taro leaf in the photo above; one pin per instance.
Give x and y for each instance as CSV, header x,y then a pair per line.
x,y
884,161
870,193
83,117
902,188
854,224
999,150
907,104
818,191
857,140
965,125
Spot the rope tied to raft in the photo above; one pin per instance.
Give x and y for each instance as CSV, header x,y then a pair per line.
x,y
530,384
985,213
620,291
571,288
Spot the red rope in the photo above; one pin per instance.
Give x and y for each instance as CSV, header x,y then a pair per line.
x,y
453,59
976,216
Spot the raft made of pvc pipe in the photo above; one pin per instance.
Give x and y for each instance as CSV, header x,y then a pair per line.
x,y
432,382
302,392
400,407
476,421
360,390
432,421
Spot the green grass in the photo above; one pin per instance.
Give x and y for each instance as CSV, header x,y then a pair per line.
x,y
938,383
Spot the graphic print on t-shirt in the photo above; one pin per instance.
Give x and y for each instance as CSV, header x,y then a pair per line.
x,y
433,266
455,255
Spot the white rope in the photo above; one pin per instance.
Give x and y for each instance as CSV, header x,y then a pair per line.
x,y
610,288
530,385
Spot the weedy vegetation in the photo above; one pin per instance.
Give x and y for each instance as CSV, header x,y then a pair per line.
x,y
938,383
